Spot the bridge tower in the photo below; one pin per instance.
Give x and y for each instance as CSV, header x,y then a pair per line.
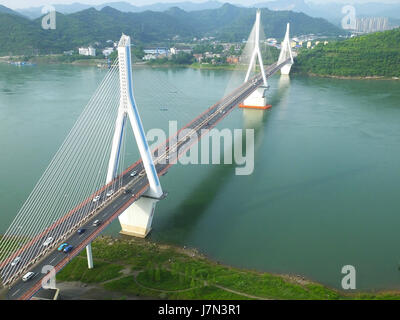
x,y
135,220
286,53
258,99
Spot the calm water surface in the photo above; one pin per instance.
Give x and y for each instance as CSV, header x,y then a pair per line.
x,y
324,193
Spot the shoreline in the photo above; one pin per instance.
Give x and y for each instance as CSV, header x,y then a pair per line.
x,y
128,268
44,60
382,78
139,268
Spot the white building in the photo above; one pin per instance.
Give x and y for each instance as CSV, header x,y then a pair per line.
x,y
159,51
178,50
89,51
108,51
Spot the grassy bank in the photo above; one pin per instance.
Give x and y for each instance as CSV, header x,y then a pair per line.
x,y
135,267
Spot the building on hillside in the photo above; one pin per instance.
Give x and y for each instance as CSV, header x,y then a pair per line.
x,y
108,51
232,60
157,51
199,57
89,51
149,56
309,44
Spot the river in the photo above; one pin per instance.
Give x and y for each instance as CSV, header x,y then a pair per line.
x,y
324,192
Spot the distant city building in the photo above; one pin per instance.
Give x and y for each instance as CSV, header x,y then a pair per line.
x,y
89,51
309,44
367,25
108,51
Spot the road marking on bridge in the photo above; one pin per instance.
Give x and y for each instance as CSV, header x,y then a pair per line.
x,y
15,292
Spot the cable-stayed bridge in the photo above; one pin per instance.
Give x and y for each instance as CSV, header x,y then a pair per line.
x,y
87,185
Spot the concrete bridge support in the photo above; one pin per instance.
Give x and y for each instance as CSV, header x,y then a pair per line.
x,y
136,220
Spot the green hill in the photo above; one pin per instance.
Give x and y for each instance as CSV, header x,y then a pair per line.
x,y
373,55
19,35
4,9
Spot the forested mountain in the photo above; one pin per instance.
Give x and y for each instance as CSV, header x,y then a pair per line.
x,y
4,9
21,35
36,12
376,54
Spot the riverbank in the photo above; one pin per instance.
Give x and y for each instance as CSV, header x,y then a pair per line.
x,y
347,77
56,59
140,269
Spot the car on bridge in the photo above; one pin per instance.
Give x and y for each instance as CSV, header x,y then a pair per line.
x,y
96,198
133,173
48,241
28,276
97,223
15,261
110,193
80,231
68,248
61,247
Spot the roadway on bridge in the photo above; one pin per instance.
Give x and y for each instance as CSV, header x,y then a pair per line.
x,y
108,209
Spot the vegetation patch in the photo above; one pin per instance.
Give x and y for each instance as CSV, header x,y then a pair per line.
x,y
77,270
372,55
141,268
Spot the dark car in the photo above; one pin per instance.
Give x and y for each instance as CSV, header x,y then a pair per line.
x,y
80,231
68,249
127,191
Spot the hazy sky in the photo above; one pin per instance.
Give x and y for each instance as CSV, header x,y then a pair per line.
x,y
33,3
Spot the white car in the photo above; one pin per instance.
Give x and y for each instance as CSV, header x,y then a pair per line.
x,y
96,223
28,276
110,193
15,261
133,173
48,241
96,198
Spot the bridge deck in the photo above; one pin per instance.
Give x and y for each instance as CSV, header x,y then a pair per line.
x,y
108,209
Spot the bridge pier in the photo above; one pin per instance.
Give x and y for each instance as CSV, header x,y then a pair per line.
x,y
136,220
89,255
257,100
286,69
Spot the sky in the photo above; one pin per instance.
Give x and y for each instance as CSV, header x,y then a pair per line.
x,y
14,4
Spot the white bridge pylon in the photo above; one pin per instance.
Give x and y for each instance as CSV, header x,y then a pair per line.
x,y
286,53
257,52
135,220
